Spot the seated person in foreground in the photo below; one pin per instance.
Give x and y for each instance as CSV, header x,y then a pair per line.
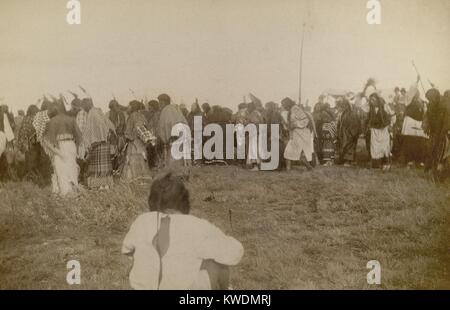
x,y
175,250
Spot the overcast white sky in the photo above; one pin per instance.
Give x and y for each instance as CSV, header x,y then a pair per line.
x,y
217,50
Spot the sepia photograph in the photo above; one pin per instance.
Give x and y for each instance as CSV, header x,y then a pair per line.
x,y
225,145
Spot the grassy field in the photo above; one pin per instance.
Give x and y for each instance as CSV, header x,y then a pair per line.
x,y
300,230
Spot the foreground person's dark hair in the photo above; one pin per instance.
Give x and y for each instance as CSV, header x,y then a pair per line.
x,y
169,192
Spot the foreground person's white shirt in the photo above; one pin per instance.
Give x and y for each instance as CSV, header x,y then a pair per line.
x,y
191,241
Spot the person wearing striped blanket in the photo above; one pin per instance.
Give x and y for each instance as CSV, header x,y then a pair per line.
x,y
96,137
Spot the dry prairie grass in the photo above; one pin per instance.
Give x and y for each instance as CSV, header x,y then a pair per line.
x,y
300,230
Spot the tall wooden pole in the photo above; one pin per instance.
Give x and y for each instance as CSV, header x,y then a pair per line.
x,y
301,66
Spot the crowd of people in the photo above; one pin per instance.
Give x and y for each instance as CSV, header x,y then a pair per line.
x,y
83,146
399,127
76,145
